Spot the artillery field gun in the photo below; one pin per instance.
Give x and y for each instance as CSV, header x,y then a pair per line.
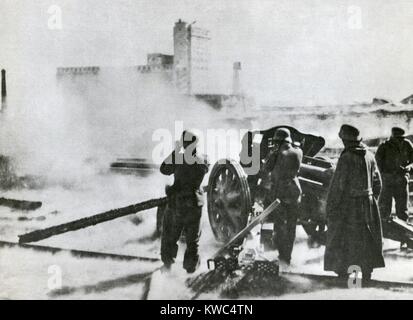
x,y
232,193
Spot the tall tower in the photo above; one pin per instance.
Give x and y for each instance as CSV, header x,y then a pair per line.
x,y
198,59
191,58
181,57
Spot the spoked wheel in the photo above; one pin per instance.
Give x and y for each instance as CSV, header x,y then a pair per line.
x,y
229,199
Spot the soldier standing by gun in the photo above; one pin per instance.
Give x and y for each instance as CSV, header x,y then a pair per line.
x,y
281,170
185,201
395,159
354,235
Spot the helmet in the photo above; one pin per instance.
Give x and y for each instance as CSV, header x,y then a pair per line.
x,y
283,135
188,138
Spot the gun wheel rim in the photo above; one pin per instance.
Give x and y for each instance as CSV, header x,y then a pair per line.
x,y
229,199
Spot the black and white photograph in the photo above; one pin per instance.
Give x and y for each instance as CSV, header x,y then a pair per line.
x,y
221,150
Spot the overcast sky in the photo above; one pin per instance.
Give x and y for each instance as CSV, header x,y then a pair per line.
x,y
303,52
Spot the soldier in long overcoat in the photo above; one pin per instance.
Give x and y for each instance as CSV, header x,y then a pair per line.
x,y
354,235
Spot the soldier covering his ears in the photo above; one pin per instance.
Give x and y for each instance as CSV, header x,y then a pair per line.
x,y
185,201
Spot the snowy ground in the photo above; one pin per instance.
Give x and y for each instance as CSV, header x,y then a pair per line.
x,y
27,274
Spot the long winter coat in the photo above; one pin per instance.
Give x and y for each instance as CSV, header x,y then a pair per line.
x,y
354,235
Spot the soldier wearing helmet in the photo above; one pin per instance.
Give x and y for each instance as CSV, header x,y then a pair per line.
x,y
185,201
283,166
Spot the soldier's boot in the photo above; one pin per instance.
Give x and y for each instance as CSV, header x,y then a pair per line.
x,y
193,267
283,255
167,259
169,251
192,235
191,257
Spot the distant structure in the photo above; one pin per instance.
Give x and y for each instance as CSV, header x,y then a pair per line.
x,y
3,90
78,71
191,61
158,63
3,85
187,69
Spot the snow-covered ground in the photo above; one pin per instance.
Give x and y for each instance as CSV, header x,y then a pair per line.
x,y
24,272
29,274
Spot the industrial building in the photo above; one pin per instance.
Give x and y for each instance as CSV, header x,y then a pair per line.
x,y
187,70
188,67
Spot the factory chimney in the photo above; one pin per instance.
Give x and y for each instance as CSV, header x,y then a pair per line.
x,y
3,90
236,81
3,85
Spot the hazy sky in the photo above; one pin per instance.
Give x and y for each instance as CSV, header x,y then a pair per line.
x,y
304,52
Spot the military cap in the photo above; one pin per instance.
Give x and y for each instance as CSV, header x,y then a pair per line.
x,y
349,133
397,132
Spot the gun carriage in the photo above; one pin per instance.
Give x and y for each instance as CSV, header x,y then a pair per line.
x,y
234,188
